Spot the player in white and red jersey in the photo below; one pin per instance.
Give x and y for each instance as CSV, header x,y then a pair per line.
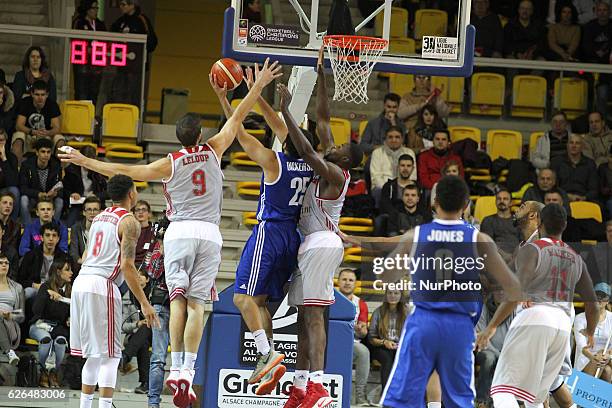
x,y
192,244
321,252
95,304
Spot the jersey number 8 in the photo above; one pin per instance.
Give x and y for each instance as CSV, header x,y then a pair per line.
x,y
95,251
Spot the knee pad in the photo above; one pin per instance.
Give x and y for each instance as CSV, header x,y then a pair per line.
x,y
90,371
107,377
504,400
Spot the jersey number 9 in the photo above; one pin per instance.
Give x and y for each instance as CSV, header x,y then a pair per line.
x,y
199,182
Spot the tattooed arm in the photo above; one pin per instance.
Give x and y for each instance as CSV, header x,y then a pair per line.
x,y
129,231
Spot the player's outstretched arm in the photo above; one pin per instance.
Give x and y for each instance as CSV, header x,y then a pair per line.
x,y
584,287
325,169
270,115
323,114
129,231
157,170
222,140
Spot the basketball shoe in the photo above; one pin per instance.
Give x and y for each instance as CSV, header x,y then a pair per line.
x,y
184,394
316,396
296,397
269,381
265,364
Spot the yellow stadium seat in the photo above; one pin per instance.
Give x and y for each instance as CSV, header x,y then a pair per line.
x,y
533,140
248,188
528,96
354,255
362,126
488,92
430,22
249,218
456,92
571,96
485,206
399,23
119,123
401,84
242,159
78,118
80,145
504,143
465,132
353,224
518,195
585,210
124,151
141,185
402,46
341,130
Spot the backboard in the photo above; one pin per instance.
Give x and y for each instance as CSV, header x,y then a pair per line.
x,y
421,41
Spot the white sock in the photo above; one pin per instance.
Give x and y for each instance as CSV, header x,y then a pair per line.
x,y
86,400
434,405
261,341
317,377
300,379
271,342
177,360
105,403
189,361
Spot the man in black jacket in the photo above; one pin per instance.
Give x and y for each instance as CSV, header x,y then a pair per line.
x,y
409,215
40,177
34,269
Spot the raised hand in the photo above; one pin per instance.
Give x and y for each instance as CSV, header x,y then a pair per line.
x,y
269,72
250,80
221,92
285,96
71,155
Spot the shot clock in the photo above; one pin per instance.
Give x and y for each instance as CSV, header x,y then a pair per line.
x,y
99,53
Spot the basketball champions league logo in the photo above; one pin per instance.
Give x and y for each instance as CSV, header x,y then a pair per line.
x,y
257,33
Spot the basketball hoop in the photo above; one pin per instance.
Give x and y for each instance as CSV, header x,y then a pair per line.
x,y
352,59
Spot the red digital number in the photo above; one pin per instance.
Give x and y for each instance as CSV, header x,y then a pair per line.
x,y
98,53
97,244
199,180
78,54
558,289
118,55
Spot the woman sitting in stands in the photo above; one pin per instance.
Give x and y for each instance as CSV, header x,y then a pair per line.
x,y
420,137
12,306
34,67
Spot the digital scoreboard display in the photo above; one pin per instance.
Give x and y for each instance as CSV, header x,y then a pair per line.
x,y
98,53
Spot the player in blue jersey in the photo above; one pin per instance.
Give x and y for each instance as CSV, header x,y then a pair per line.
x,y
270,254
440,333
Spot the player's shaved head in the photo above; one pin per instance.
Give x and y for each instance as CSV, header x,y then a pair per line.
x,y
119,187
534,206
554,219
189,129
452,194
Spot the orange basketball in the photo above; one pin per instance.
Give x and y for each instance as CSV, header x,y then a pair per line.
x,y
228,72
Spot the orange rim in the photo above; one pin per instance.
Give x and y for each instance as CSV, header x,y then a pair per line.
x,y
356,42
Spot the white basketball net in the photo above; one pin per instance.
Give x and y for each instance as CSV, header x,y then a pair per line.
x,y
352,60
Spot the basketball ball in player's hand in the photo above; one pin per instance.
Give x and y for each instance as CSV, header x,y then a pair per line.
x,y
228,72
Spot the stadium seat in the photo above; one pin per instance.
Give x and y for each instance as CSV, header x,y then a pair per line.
x,y
488,93
362,126
356,225
341,130
458,133
78,118
485,206
248,189
123,151
533,140
586,210
528,96
141,185
401,84
571,96
249,218
80,145
518,195
504,143
354,255
402,46
119,124
241,159
399,23
258,133
430,22
453,91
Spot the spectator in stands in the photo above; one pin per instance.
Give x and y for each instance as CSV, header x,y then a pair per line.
x,y
87,77
420,137
34,268
9,173
376,130
32,234
34,68
585,10
391,195
160,299
604,172
564,35
137,338
588,359
361,354
385,328
523,35
598,141
432,161
10,253
251,10
489,31
40,178
7,106
12,312
487,358
596,47
553,143
422,94
547,180
577,174
51,321
80,230
11,227
79,183
500,226
142,212
599,261
38,117
409,215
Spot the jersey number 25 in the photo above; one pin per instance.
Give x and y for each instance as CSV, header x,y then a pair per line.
x,y
299,184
